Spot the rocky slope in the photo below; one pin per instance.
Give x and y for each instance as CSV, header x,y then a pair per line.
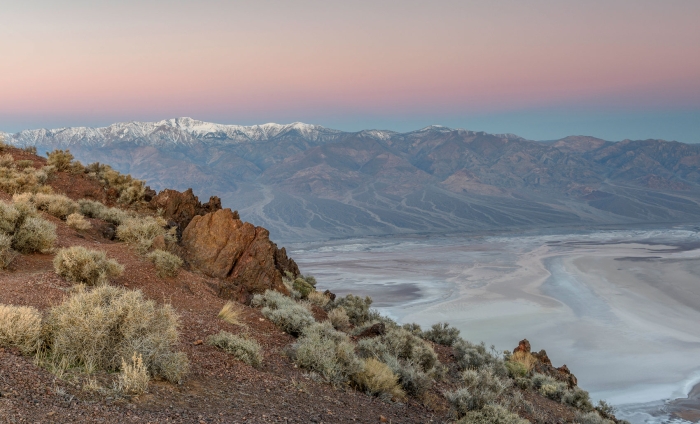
x,y
223,252
303,181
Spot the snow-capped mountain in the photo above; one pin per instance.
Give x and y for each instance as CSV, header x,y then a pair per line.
x,y
305,181
178,131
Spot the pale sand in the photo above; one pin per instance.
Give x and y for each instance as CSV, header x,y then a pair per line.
x,y
627,328
622,316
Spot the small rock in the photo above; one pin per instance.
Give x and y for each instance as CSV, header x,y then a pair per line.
x,y
382,419
198,342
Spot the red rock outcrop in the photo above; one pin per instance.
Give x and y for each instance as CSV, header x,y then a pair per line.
x,y
181,207
544,364
220,245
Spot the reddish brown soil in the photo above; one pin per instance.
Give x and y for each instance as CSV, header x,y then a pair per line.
x,y
218,389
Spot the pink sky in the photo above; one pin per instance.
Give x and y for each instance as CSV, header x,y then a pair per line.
x,y
266,60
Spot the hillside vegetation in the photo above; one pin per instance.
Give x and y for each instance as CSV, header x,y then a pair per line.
x,y
107,312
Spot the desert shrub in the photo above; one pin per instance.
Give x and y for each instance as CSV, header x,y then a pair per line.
x,y
243,349
592,418
412,378
442,333
578,398
404,345
413,328
300,285
6,160
25,163
167,264
34,235
516,369
9,216
20,327
605,409
357,308
57,205
78,222
284,312
96,328
7,254
97,210
141,231
481,387
30,149
549,387
230,313
318,298
328,352
339,319
14,180
492,414
129,189
133,377
80,265
377,378
60,159
469,355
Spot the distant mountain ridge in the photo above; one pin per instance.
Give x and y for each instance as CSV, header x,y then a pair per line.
x,y
305,181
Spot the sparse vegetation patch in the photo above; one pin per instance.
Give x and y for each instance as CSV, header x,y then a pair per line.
x,y
80,265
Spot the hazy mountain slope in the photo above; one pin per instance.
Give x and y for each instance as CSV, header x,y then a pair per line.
x,y
306,181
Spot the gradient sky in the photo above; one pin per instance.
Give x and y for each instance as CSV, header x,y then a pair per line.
x,y
541,69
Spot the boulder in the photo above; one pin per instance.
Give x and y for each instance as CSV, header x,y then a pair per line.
x,y
181,207
543,365
238,253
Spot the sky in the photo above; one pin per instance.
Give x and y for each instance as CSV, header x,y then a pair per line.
x,y
542,69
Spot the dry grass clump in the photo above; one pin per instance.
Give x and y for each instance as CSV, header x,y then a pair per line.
x,y
471,356
377,378
284,312
78,222
328,352
133,377
20,327
95,329
230,313
339,318
80,265
167,264
7,254
243,349
30,149
34,235
408,356
60,159
141,231
6,160
318,298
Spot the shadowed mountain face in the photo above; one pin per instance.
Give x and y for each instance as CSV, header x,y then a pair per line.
x,y
309,182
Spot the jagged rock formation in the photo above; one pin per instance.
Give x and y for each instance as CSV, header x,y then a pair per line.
x,y
544,365
181,207
238,253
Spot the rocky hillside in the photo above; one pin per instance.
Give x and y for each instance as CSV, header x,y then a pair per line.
x,y
303,181
118,303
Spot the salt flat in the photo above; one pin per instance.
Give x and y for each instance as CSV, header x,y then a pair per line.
x,y
619,307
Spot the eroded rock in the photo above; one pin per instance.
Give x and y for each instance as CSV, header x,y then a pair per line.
x,y
181,207
220,245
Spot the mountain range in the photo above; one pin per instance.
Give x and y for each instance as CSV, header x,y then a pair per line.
x,y
306,182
